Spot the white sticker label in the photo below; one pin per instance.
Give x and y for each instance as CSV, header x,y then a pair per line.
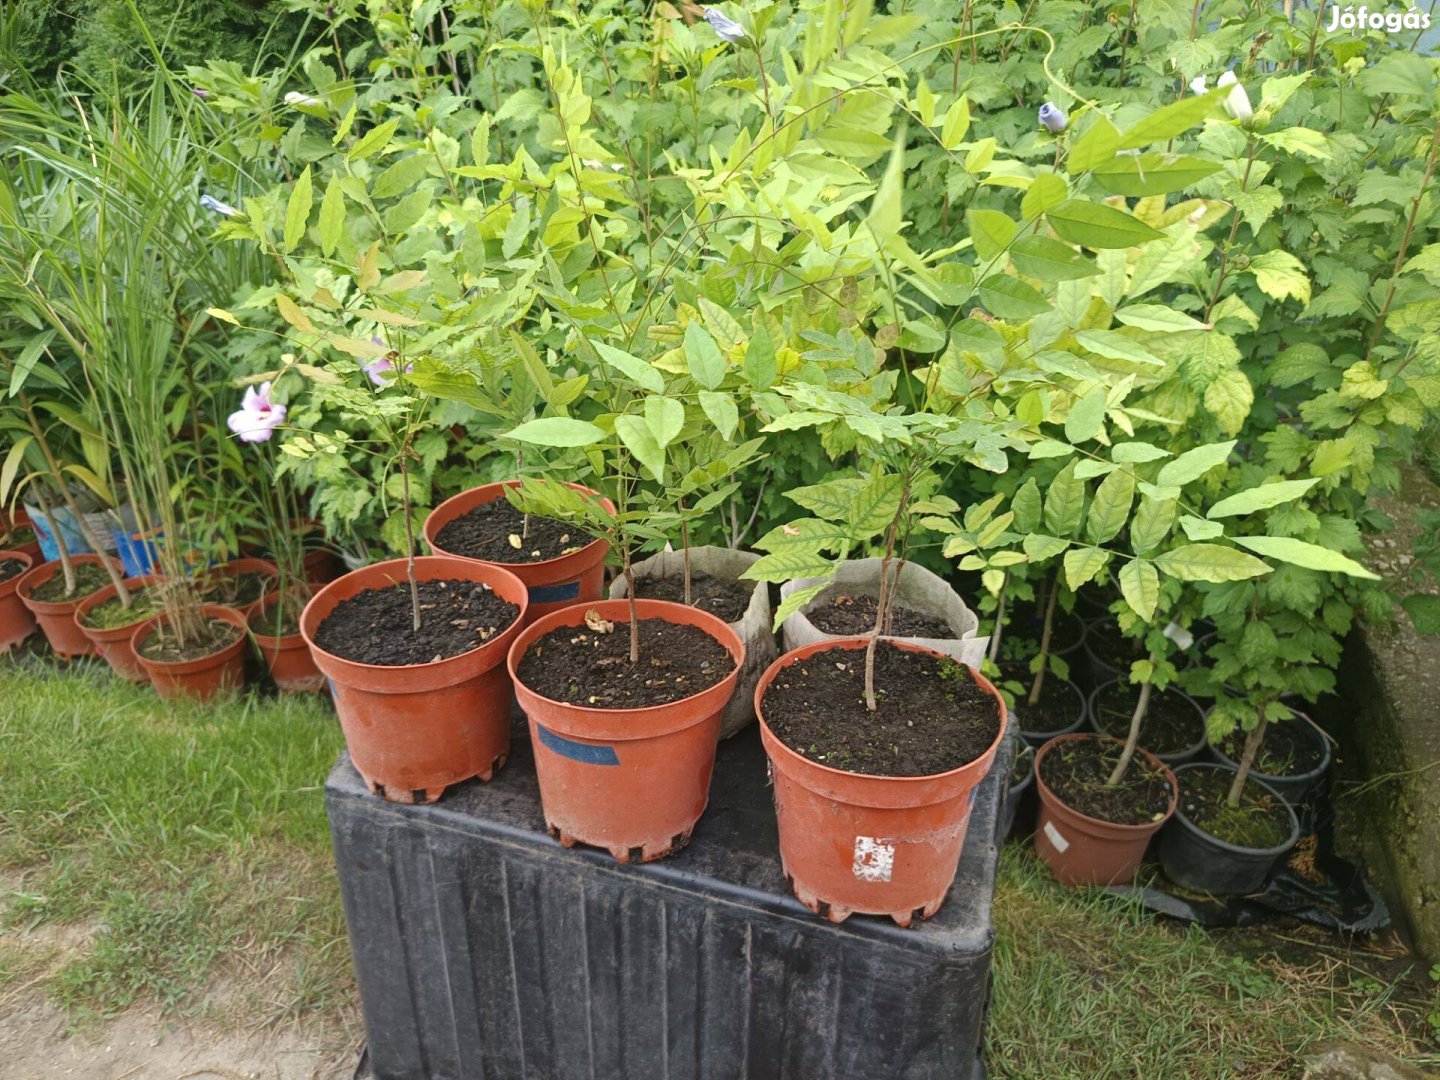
x,y
874,859
1053,835
1179,635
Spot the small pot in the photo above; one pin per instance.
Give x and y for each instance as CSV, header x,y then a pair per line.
x,y
57,617
856,842
1018,813
553,584
1193,752
1293,789
115,644
1195,859
288,657
19,519
235,567
632,781
415,729
1038,739
1081,850
16,621
322,566
1098,670
205,677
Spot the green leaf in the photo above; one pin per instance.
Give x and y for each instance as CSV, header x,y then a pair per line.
x,y
1064,502
1152,174
1215,563
559,431
1280,274
1086,417
12,464
1082,564
1026,507
830,500
332,216
1045,191
665,417
1039,546
721,410
1423,609
991,231
1261,498
1010,298
1049,260
1229,396
641,442
1130,452
1310,556
1096,146
1193,464
1170,120
805,534
1151,524
297,210
760,370
399,177
1116,346
782,566
874,505
516,229
1094,225
1157,318
373,141
1200,529
1111,507
956,124
637,370
707,363
1140,586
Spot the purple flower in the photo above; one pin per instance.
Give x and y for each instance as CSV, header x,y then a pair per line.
x,y
727,28
209,202
1052,118
258,416
200,92
381,366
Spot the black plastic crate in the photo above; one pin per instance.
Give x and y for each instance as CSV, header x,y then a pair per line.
x,y
485,951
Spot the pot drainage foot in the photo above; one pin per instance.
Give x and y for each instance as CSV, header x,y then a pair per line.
x,y
412,796
496,766
824,908
564,839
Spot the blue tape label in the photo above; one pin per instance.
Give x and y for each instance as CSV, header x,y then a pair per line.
x,y
577,751
550,594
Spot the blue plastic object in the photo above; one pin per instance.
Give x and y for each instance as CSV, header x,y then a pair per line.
x,y
137,554
44,532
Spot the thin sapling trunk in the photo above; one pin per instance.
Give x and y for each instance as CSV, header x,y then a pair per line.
x,y
409,536
1132,740
884,600
999,619
1253,740
629,571
685,549
67,568
1039,683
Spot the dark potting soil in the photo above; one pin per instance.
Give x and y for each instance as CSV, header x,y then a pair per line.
x,y
495,532
112,615
1171,724
930,715
1260,821
725,600
583,666
236,590
17,537
377,625
88,578
10,568
163,647
1076,771
1057,708
853,615
1291,748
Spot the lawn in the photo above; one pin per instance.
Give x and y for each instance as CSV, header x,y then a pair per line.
x,y
190,844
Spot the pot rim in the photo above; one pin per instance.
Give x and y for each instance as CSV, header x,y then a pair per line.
x,y
1198,746
1226,845
1293,778
784,660
427,529
1023,747
1046,790
39,574
1068,728
399,565
716,628
1077,644
182,667
99,596
10,584
285,641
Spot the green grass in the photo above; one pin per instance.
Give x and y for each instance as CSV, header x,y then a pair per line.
x,y
152,852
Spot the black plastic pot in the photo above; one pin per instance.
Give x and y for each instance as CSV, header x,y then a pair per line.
x,y
1096,670
1195,859
1293,789
1017,814
1072,652
1177,757
1038,739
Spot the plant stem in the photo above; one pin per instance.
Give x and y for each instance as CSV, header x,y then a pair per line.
x,y
883,601
685,548
1132,740
999,619
629,571
1253,740
66,566
1039,682
409,535
1430,163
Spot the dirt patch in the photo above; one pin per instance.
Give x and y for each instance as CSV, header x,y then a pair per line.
x,y
726,600
1260,821
377,626
89,578
853,615
164,647
584,666
10,568
1076,772
1172,723
1058,706
1291,748
496,532
930,715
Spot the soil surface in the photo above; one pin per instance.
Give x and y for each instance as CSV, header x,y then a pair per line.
x,y
236,590
1076,771
1171,725
495,532
853,615
111,614
930,715
163,647
1260,821
10,568
1058,707
591,667
17,537
377,626
726,600
88,578
1291,748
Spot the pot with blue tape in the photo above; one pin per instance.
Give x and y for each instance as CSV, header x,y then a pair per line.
x,y
572,577
631,780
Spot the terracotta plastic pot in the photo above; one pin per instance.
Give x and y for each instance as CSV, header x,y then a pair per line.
x,y
115,644
1082,850
205,677
16,621
57,617
20,520
415,729
632,781
854,842
288,656
554,584
234,568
